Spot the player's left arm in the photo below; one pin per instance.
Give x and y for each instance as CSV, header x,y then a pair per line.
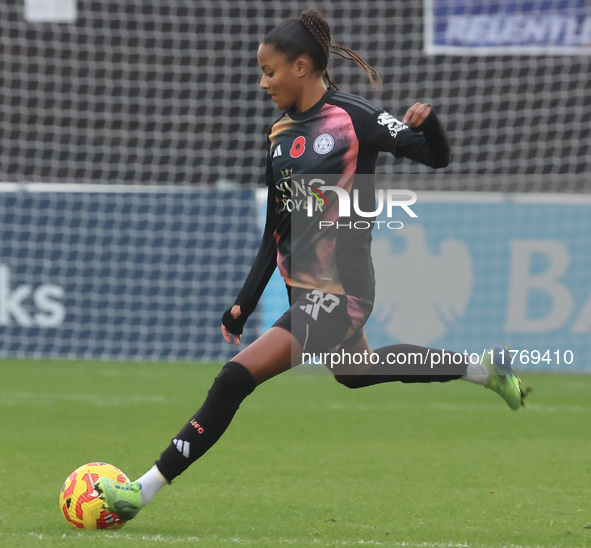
x,y
419,136
430,145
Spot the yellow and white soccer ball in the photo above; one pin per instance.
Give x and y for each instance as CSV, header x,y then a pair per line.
x,y
80,503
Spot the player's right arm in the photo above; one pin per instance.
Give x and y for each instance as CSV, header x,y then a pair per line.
x,y
260,273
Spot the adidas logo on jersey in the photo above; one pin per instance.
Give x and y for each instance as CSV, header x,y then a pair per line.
x,y
277,152
182,446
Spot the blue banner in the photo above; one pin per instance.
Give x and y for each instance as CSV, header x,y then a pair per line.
x,y
142,275
501,26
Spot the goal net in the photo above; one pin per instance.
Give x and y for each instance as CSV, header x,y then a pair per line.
x,y
160,95
151,92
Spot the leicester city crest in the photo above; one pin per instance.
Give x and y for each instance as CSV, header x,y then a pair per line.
x,y
324,143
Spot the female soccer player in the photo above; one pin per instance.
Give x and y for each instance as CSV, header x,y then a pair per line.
x,y
327,270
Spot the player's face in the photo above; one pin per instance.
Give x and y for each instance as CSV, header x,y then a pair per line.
x,y
281,78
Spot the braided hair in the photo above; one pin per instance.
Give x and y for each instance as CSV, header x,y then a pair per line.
x,y
310,34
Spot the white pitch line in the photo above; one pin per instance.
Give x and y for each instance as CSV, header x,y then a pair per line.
x,y
40,399
118,536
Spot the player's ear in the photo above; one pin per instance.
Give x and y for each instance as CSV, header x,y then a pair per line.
x,y
302,66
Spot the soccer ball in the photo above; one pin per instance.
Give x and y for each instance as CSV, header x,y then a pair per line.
x,y
80,502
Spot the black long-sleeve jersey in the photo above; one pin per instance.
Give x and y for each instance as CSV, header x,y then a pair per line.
x,y
340,136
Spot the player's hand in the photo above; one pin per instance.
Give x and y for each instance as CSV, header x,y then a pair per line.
x,y
416,114
235,311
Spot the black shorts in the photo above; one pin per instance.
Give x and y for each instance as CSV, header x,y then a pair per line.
x,y
325,322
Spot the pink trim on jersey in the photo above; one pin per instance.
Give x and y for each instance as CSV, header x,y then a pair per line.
x,y
338,123
357,312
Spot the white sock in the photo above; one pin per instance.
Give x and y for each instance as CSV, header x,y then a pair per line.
x,y
476,373
152,481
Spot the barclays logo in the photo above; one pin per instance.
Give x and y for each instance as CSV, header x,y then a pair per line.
x,y
431,290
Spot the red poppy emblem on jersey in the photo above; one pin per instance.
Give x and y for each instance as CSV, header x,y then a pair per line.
x,y
298,147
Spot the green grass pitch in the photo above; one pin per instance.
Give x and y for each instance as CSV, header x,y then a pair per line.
x,y
306,462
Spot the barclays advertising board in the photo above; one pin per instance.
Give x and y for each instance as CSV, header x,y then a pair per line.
x,y
147,274
473,270
475,27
